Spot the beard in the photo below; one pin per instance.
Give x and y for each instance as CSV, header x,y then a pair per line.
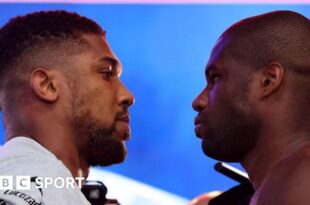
x,y
233,133
97,144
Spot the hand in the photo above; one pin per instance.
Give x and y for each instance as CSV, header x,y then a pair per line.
x,y
111,202
204,199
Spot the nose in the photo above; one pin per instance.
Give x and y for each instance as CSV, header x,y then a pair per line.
x,y
201,101
126,98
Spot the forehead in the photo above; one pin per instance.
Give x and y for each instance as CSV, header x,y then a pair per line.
x,y
96,52
98,46
222,57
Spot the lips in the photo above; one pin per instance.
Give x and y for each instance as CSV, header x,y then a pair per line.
x,y
123,126
197,121
124,118
198,124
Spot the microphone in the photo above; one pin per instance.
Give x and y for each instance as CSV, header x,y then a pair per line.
x,y
95,192
231,172
238,195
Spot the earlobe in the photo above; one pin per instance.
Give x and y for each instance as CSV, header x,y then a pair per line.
x,y
273,76
42,83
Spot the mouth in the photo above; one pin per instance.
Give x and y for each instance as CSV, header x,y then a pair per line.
x,y
124,118
126,136
198,124
123,126
197,121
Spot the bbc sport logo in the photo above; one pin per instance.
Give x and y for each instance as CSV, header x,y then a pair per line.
x,y
24,182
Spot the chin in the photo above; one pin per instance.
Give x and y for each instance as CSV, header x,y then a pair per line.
x,y
114,152
219,153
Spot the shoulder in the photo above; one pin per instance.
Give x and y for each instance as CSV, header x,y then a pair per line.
x,y
288,182
10,195
37,194
23,156
28,165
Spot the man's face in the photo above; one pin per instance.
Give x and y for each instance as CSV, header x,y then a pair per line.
x,y
99,104
226,120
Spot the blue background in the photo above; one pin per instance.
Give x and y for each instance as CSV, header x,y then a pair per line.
x,y
163,49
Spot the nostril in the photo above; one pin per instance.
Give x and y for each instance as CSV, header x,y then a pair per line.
x,y
194,105
126,103
199,104
125,99
197,108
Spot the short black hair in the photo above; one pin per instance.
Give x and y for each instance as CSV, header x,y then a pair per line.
x,y
30,34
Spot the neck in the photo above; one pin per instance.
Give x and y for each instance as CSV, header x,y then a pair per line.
x,y
71,159
55,139
271,149
48,125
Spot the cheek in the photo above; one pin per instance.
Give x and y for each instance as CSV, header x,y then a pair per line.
x,y
219,103
103,101
100,99
215,97
221,93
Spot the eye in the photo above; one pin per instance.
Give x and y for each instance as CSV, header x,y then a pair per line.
x,y
213,79
216,78
107,73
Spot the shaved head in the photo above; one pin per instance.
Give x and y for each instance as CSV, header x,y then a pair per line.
x,y
260,66
280,36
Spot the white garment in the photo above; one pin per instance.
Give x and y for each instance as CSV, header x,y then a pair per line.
x,y
24,156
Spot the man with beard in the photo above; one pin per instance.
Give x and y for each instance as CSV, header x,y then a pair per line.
x,y
64,107
255,108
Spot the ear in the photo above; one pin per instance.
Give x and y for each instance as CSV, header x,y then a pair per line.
x,y
272,77
43,83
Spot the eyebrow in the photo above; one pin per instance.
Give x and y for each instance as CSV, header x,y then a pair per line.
x,y
209,69
116,66
113,61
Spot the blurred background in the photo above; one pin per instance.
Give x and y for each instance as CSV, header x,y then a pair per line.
x,y
163,48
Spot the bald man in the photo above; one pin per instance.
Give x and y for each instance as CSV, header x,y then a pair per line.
x,y
64,107
255,108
